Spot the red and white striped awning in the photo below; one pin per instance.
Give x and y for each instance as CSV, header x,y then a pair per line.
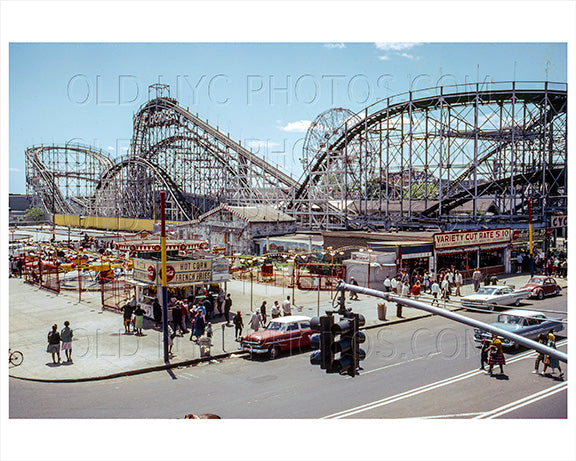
x,y
154,245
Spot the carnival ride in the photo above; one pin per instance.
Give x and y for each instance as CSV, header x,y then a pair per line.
x,y
451,157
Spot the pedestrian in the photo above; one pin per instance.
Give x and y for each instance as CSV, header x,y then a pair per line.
x,y
286,307
263,312
66,336
275,311
399,285
157,312
416,290
445,289
519,261
458,281
255,321
435,289
484,353
184,308
387,284
54,343
393,284
551,361
138,319
221,301
227,306
238,324
209,332
496,355
426,282
542,339
171,336
128,309
476,278
198,328
353,294
177,318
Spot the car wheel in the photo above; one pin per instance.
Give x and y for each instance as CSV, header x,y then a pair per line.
x,y
517,302
491,307
540,295
273,352
556,291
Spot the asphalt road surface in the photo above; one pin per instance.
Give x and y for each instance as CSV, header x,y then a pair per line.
x,y
427,368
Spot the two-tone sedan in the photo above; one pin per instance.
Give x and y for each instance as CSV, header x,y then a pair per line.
x,y
288,333
488,297
540,286
522,322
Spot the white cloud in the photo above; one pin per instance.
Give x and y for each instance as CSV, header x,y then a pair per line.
x,y
110,148
14,170
409,56
335,45
300,126
384,58
396,46
258,144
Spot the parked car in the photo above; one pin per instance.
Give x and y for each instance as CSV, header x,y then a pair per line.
x,y
282,334
540,286
522,322
488,297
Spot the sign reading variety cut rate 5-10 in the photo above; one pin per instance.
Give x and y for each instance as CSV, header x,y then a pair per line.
x,y
481,237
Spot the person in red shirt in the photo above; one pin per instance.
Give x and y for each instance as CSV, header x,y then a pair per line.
x,y
416,290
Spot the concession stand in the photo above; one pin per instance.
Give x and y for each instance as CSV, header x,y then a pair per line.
x,y
190,269
465,250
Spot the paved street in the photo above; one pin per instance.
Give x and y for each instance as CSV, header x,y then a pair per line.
x,y
425,368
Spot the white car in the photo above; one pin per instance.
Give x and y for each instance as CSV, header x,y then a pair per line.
x,y
487,297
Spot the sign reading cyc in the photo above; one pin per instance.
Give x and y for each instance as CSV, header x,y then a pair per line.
x,y
559,221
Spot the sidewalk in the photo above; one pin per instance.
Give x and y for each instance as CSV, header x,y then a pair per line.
x,y
101,349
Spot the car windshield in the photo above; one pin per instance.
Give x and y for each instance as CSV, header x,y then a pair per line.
x,y
276,326
511,319
536,280
485,291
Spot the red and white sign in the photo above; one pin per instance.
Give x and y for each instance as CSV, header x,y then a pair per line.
x,y
151,272
559,221
482,237
170,273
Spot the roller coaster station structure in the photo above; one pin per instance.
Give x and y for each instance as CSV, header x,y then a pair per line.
x,y
449,157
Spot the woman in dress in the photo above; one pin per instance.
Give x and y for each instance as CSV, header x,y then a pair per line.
x,y
496,355
138,319
550,361
54,343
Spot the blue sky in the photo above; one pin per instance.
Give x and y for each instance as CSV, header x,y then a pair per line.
x,y
263,94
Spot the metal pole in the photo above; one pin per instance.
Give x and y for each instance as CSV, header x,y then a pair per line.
x,y
456,317
164,278
80,274
530,236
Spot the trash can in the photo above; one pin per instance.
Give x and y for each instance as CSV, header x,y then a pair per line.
x,y
204,343
381,311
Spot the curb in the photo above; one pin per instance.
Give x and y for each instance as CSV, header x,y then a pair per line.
x,y
133,372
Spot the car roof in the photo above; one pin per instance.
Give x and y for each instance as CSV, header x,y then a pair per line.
x,y
498,286
291,318
523,313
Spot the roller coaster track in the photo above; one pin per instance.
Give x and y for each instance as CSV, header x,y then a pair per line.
x,y
557,100
236,147
173,189
48,183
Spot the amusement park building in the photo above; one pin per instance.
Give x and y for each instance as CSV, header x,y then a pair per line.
x,y
233,228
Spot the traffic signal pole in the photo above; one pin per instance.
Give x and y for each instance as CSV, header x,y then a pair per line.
x,y
342,286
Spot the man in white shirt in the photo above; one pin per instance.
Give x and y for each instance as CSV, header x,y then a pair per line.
x,y
286,307
275,310
435,289
445,289
393,284
387,284
458,282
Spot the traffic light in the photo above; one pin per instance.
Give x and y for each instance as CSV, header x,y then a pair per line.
x,y
349,344
322,341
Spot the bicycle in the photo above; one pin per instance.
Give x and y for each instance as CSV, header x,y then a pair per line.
x,y
15,357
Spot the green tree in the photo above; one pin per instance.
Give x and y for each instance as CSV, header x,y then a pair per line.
x,y
34,214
